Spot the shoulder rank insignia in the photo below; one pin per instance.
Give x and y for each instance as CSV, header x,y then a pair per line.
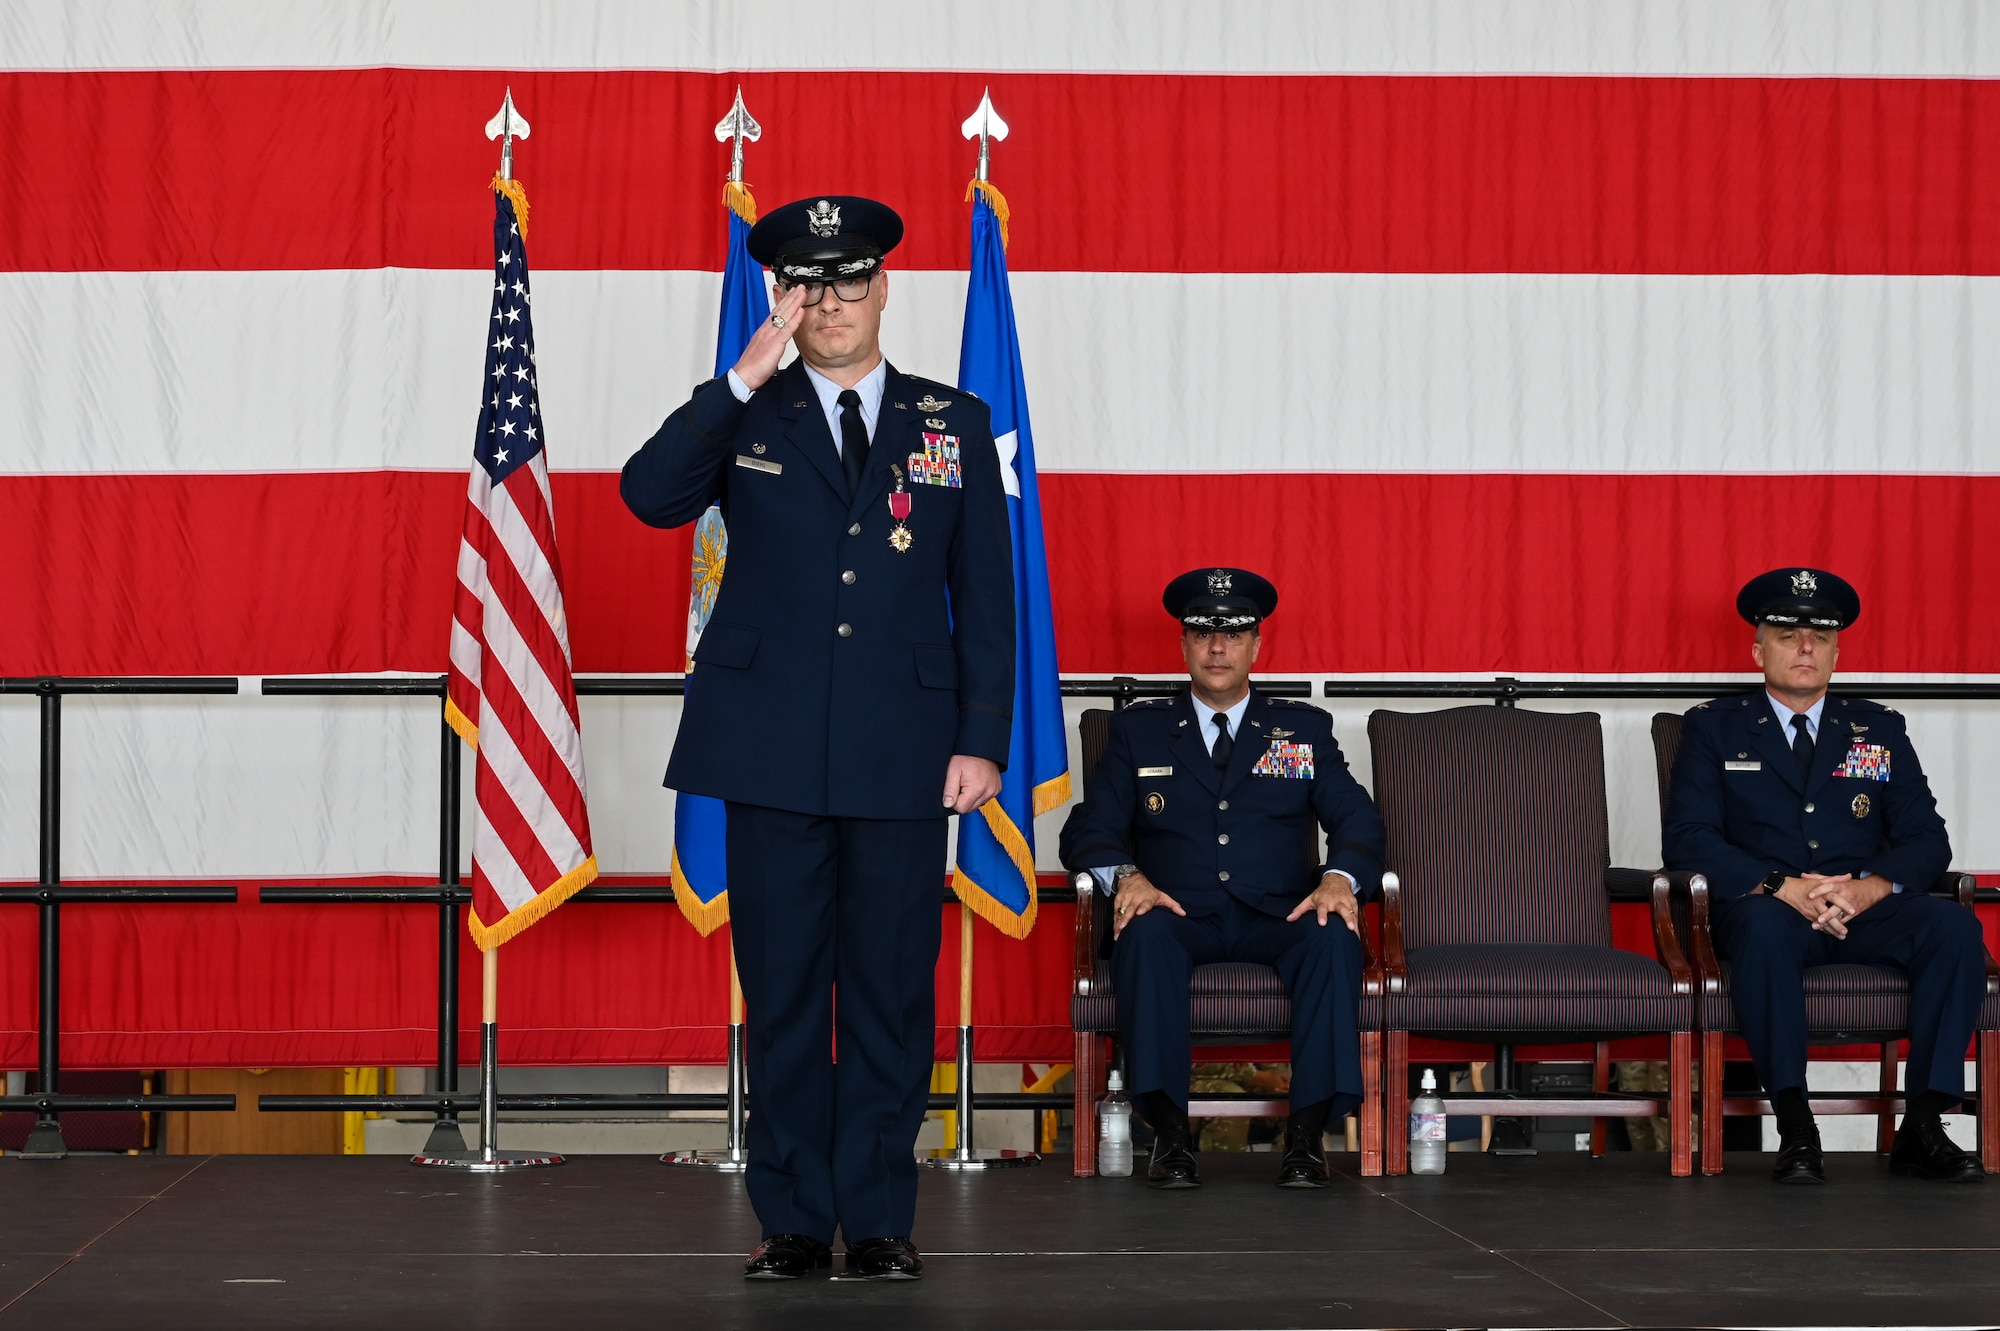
x,y
929,403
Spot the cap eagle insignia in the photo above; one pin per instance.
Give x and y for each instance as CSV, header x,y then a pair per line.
x,y
824,219
1219,582
1804,583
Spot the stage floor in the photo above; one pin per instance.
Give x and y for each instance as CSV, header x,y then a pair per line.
x,y
619,1241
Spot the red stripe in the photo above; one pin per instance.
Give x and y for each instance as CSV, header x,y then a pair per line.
x,y
522,845
503,701
354,572
174,170
510,590
524,488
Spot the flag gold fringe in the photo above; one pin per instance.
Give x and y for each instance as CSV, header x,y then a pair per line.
x,y
705,916
487,938
1049,795
994,200
513,190
460,722
736,197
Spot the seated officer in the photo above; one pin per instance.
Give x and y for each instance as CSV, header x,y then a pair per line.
x,y
1201,823
1811,819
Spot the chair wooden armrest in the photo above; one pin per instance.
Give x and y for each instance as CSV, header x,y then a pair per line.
x,y
1395,966
1371,953
1083,969
1957,885
1666,939
1700,947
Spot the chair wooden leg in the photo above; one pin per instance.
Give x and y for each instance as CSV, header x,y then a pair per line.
x,y
1396,1104
1084,1081
1600,1081
1989,1100
1371,1104
1711,1102
1680,1102
1885,1122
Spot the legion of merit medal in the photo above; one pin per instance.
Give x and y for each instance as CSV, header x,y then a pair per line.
x,y
899,509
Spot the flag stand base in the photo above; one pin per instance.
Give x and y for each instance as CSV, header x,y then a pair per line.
x,y
736,1157
964,1158
489,1158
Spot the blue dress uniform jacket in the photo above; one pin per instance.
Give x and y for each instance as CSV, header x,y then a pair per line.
x,y
837,676
1738,811
1202,836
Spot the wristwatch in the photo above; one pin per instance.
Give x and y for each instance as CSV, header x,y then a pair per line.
x,y
1773,881
1123,871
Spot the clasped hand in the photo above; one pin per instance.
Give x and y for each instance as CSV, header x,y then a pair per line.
x,y
1831,900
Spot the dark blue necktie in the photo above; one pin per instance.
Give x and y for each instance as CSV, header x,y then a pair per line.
x,y
1802,745
853,440
1224,745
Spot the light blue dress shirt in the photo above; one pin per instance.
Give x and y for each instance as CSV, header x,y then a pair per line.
x,y
870,389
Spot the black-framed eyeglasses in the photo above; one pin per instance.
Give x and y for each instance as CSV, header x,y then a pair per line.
x,y
849,289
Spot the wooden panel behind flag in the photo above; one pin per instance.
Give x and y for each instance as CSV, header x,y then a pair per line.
x,y
510,692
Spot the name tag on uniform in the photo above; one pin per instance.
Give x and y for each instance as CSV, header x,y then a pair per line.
x,y
1156,771
1287,760
758,464
1743,767
1869,762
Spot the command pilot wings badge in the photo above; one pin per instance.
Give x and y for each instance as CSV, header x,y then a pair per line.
x,y
929,403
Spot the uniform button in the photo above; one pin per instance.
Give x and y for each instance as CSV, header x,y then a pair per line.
x,y
1813,844
847,576
1809,807
845,630
1224,805
1223,876
1222,840
855,530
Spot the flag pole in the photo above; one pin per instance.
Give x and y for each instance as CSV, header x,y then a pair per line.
x,y
736,128
962,1155
506,126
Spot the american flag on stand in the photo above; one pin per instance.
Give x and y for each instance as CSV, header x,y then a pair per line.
x,y
510,692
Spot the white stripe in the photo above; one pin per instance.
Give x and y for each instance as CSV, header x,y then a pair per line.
x,y
510,651
489,852
465,654
497,751
526,554
315,371
1801,37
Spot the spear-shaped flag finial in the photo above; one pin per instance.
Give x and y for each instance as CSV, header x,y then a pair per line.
x,y
985,125
740,127
507,125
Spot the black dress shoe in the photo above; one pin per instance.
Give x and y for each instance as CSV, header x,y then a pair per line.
x,y
883,1259
1924,1151
1173,1164
787,1257
1304,1165
1799,1159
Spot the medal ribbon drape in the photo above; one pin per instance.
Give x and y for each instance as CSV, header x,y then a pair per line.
x,y
510,692
995,873
701,877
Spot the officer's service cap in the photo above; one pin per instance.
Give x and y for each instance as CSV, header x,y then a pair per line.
x,y
825,239
1220,598
1799,598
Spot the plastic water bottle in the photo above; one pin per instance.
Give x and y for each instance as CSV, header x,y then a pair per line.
x,y
1427,1129
1114,1131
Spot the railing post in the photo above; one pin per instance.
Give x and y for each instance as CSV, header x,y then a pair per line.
x,y
45,1139
447,1137
1509,691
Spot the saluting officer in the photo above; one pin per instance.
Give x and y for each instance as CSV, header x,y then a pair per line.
x,y
1203,821
853,688
1810,817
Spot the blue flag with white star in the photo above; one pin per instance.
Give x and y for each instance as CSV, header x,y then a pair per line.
x,y
701,873
996,846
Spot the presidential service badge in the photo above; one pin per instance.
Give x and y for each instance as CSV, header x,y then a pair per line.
x,y
1860,806
1155,802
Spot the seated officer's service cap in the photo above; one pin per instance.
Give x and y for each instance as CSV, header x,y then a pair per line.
x,y
1220,598
825,239
1799,598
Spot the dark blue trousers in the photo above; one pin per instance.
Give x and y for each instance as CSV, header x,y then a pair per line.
x,y
1936,943
819,904
1319,964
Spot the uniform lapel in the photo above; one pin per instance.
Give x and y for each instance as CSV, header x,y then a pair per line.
x,y
1771,742
1252,741
1190,746
886,451
805,423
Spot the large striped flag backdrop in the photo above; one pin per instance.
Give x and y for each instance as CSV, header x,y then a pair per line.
x,y
509,690
1506,336
995,872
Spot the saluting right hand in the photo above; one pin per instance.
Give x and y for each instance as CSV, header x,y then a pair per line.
x,y
1136,896
759,360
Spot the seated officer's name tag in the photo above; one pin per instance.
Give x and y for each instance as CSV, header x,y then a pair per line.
x,y
1870,762
938,464
758,464
1286,760
1743,767
1156,771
